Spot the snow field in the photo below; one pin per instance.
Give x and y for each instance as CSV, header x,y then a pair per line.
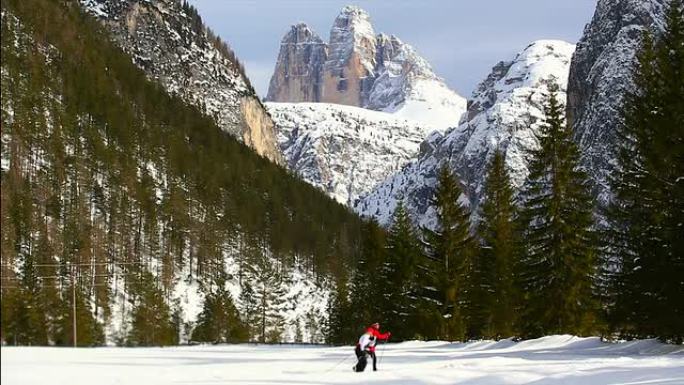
x,y
548,360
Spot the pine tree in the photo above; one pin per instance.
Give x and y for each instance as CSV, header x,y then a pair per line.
x,y
269,298
498,251
314,326
248,309
399,284
219,320
340,326
451,249
558,265
151,320
367,283
645,249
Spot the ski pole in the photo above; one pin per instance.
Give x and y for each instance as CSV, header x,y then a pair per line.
x,y
383,350
338,363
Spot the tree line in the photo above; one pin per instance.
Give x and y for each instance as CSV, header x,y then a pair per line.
x,y
538,262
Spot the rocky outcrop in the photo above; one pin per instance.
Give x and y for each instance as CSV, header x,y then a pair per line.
x,y
362,69
168,40
260,129
600,77
349,71
505,113
298,73
344,150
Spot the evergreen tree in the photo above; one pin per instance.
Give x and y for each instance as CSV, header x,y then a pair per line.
x,y
498,251
367,282
248,310
400,286
314,325
219,320
450,250
269,298
340,327
645,247
557,269
152,323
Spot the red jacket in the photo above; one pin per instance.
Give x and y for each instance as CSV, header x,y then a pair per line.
x,y
376,333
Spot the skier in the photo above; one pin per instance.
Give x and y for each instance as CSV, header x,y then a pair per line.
x,y
366,347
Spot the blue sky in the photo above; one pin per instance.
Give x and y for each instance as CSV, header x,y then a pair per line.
x,y
462,39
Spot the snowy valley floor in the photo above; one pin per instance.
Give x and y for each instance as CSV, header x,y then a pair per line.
x,y
549,360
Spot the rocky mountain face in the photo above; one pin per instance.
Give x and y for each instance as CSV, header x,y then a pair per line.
x,y
301,59
348,72
600,77
362,69
169,41
344,150
505,112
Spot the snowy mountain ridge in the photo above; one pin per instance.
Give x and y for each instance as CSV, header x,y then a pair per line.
x,y
505,112
359,68
344,150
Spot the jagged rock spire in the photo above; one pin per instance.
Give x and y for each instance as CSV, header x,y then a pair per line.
x,y
297,76
362,69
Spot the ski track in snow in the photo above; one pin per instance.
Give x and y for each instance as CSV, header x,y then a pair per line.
x,y
549,360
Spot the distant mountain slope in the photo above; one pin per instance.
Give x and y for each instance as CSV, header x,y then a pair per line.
x,y
168,40
601,76
505,112
131,204
343,150
362,69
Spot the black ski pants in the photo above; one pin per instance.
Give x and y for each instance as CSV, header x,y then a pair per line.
x,y
362,360
362,357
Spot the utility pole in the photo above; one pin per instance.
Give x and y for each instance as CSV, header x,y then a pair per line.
x,y
73,302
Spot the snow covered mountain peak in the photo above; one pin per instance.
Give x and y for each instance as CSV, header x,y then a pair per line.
x,y
351,32
301,34
543,60
352,20
364,69
344,150
539,63
354,11
407,86
505,112
352,25
300,31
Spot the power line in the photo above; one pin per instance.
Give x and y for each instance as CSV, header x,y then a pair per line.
x,y
18,287
79,277
75,278
79,264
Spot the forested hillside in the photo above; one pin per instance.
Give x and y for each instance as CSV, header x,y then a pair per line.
x,y
114,193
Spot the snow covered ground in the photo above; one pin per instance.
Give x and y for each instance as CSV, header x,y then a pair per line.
x,y
549,360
